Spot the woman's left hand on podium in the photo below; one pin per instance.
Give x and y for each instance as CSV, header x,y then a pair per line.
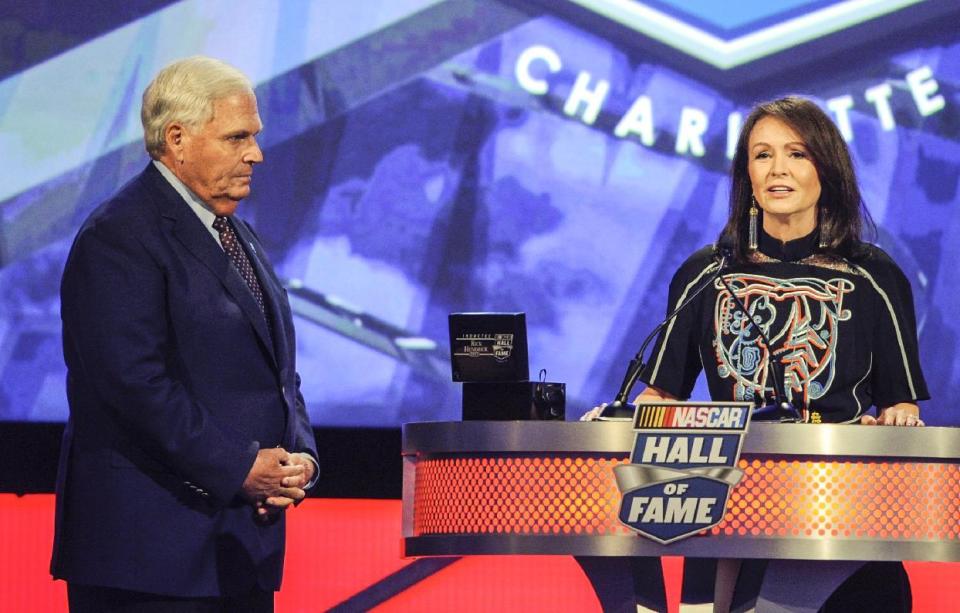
x,y
901,414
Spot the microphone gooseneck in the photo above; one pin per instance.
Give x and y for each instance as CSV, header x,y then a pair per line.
x,y
620,404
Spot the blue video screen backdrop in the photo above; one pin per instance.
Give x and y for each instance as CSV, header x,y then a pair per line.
x,y
424,157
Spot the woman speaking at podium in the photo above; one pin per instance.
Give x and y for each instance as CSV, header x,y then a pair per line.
x,y
837,311
820,318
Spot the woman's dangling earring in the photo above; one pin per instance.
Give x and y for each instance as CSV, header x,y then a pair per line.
x,y
752,236
824,243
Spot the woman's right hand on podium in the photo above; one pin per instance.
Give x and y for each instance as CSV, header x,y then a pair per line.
x,y
648,393
594,413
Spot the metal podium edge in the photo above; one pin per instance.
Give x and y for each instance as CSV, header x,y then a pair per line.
x,y
697,547
833,440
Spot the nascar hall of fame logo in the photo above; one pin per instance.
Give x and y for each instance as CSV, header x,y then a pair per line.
x,y
502,346
683,464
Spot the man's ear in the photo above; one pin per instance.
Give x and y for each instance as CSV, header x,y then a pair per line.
x,y
174,137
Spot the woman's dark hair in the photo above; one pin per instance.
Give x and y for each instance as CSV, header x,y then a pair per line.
x,y
841,212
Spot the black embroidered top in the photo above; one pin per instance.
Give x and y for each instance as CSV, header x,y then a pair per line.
x,y
844,331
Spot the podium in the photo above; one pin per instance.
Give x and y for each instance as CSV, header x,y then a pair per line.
x,y
810,492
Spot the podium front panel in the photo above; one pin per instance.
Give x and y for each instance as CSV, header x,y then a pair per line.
x,y
817,492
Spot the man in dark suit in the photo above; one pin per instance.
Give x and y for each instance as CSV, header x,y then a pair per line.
x,y
188,436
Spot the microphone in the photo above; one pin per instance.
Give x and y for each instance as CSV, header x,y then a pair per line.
x,y
621,407
782,410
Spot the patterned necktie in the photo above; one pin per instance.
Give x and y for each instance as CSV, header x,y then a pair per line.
x,y
240,260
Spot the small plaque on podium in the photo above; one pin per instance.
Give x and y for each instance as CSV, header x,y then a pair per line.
x,y
488,347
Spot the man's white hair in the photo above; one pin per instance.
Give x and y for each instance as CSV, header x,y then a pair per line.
x,y
184,92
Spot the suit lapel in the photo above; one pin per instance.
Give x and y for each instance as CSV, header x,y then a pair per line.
x,y
277,310
189,231
269,284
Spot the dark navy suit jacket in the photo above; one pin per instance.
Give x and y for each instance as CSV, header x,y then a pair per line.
x,y
174,382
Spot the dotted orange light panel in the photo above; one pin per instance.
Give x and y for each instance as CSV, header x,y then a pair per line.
x,y
529,495
863,500
775,498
